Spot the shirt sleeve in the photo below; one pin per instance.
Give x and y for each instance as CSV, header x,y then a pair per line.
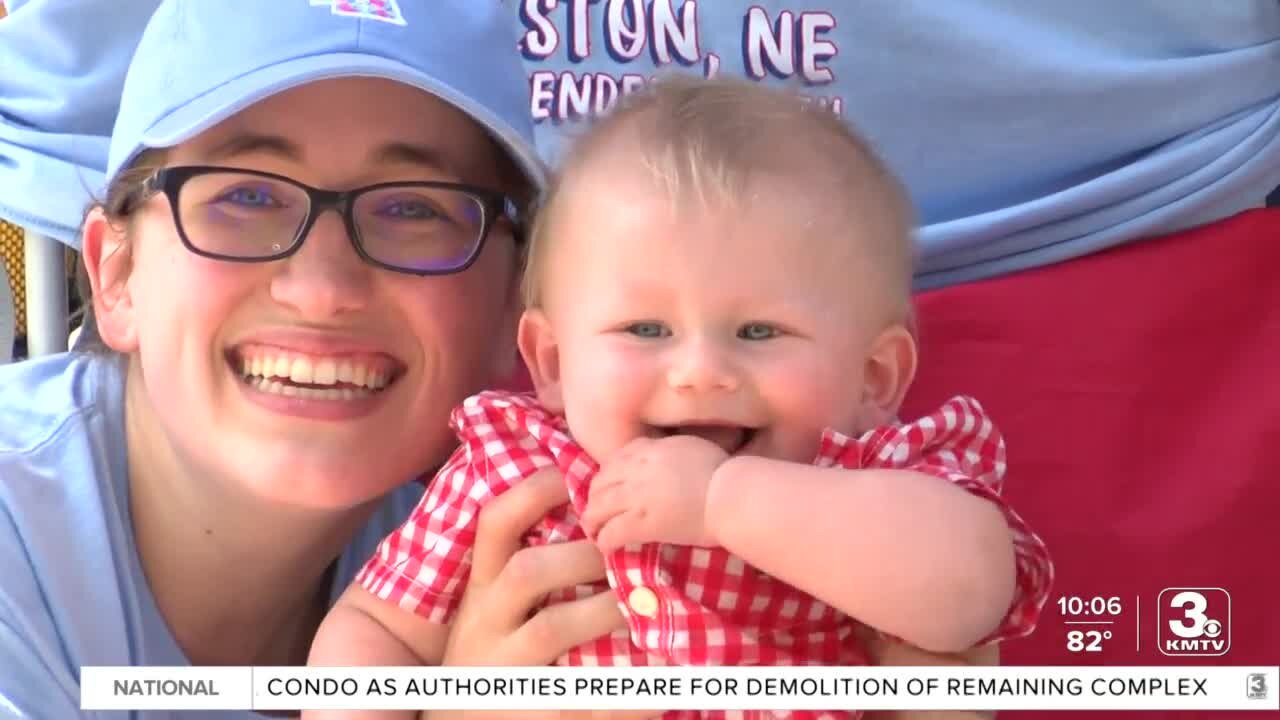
x,y
37,680
959,444
30,687
424,565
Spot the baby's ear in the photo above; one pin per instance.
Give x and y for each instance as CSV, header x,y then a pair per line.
x,y
890,368
541,353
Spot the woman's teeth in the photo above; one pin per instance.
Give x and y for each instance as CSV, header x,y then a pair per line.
x,y
313,378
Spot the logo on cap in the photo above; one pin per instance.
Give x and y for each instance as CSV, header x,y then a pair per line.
x,y
384,10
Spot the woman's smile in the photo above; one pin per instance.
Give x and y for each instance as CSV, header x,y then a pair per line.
x,y
325,386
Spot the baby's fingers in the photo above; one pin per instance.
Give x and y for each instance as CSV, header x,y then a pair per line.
x,y
624,528
604,504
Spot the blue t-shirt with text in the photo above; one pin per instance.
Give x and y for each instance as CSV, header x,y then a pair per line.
x,y
72,588
1027,131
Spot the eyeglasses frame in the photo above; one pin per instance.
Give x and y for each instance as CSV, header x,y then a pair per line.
x,y
496,205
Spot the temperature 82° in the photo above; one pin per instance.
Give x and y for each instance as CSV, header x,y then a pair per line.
x,y
1086,640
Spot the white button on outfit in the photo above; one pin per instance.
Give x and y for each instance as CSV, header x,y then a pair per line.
x,y
643,602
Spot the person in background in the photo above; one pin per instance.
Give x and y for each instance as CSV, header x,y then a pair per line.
x,y
1026,131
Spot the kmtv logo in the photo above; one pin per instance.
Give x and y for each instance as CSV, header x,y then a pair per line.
x,y
1194,621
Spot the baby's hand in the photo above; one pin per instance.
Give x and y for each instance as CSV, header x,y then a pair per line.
x,y
653,491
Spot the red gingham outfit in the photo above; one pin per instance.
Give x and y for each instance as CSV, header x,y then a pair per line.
x,y
684,605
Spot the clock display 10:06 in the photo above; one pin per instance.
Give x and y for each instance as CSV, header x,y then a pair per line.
x,y
1073,605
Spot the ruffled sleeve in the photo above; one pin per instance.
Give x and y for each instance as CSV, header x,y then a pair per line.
x,y
423,566
959,444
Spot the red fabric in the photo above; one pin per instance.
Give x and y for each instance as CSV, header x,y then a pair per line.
x,y
1139,394
701,606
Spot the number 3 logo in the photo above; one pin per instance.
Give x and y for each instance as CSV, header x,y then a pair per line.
x,y
1194,620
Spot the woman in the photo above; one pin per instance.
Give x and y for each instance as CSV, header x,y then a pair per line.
x,y
157,508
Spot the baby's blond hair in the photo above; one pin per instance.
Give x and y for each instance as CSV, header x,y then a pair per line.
x,y
705,141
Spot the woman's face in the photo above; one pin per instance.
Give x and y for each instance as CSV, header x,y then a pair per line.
x,y
197,325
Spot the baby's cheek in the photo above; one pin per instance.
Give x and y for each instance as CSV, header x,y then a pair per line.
x,y
596,370
810,394
635,380
605,394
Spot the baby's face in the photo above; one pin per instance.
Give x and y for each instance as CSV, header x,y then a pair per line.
x,y
750,328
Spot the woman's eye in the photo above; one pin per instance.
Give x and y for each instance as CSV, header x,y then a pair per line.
x,y
757,331
251,197
409,210
648,330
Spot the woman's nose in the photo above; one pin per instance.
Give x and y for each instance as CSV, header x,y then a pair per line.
x,y
325,278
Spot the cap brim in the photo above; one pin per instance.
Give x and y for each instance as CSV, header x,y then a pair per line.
x,y
230,98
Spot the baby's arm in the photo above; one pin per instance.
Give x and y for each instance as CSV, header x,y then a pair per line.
x,y
364,631
919,558
926,548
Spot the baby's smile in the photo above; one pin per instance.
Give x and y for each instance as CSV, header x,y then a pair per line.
x,y
731,438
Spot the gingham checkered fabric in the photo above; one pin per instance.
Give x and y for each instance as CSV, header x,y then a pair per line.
x,y
702,605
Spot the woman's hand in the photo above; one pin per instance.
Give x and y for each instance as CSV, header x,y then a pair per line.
x,y
496,624
884,651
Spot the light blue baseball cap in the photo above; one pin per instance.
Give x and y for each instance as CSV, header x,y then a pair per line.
x,y
201,61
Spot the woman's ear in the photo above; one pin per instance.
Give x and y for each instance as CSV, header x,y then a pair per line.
x,y
105,249
541,354
506,360
888,373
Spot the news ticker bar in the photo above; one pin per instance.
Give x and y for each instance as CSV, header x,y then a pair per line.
x,y
682,688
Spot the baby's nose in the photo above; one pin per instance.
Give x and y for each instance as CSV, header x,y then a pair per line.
x,y
700,367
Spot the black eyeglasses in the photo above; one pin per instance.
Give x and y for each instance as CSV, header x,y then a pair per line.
x,y
421,228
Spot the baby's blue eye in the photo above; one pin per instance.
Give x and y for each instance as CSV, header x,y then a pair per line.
x,y
648,330
757,331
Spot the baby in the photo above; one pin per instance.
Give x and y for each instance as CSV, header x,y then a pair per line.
x,y
718,330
